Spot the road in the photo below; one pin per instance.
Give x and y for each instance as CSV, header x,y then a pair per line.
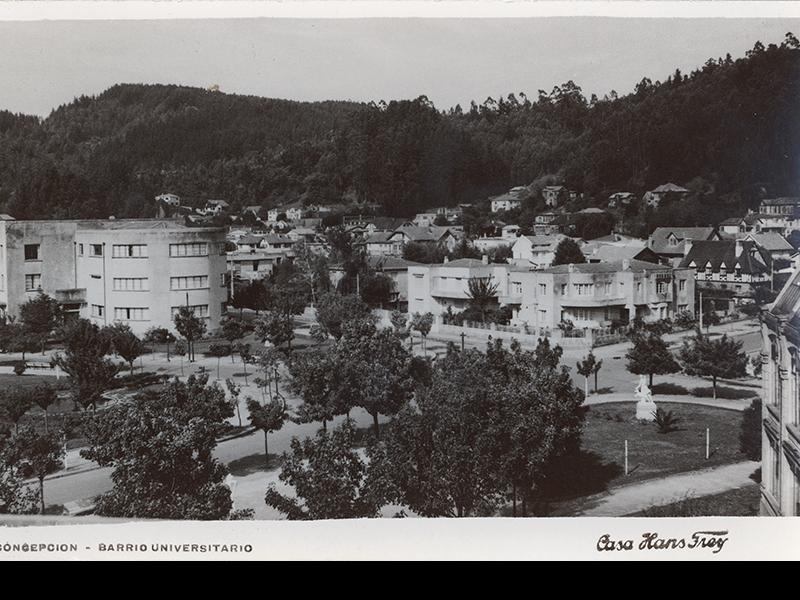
x,y
245,455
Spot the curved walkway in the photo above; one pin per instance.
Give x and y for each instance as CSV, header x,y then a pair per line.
x,y
627,499
739,404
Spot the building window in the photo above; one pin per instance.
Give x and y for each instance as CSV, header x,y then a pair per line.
x,y
131,284
542,289
2,282
796,495
33,283
563,289
661,287
95,249
584,289
775,473
223,279
199,310
129,251
80,249
181,250
777,386
95,276
196,282
31,251
130,314
517,287
98,310
638,287
682,285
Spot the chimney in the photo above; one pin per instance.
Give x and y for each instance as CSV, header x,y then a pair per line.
x,y
485,259
687,246
446,260
626,264
570,268
738,248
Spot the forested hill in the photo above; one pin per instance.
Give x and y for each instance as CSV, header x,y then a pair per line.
x,y
729,130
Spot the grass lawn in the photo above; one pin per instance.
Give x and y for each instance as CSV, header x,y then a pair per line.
x,y
742,502
650,454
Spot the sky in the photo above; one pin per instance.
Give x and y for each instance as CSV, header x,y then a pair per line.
x,y
451,61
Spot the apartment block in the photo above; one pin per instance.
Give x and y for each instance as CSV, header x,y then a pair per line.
x,y
137,272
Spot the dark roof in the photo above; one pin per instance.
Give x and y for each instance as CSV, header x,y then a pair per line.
x,y
424,234
732,221
379,237
659,238
250,240
390,263
638,266
788,301
783,201
751,259
670,187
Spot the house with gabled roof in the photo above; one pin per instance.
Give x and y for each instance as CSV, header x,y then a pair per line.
x,y
445,236
670,242
736,266
656,196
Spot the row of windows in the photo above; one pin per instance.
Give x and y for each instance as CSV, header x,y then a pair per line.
x,y
196,282
136,313
131,284
142,284
131,250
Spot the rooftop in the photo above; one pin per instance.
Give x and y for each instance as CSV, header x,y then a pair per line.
x,y
637,266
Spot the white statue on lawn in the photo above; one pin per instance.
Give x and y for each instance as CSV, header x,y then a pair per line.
x,y
645,407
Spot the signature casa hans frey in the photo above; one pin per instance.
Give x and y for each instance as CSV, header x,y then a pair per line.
x,y
712,540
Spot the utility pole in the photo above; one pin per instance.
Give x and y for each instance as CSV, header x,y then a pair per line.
x,y
701,311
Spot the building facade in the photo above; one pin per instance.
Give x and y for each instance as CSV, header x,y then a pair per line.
x,y
136,272
780,437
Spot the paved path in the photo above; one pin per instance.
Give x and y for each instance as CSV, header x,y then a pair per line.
x,y
739,404
628,499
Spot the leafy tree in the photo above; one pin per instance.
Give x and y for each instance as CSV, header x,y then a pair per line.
x,y
267,417
327,475
19,340
422,322
750,434
190,327
312,378
232,330
235,391
16,497
586,368
181,348
376,290
568,252
44,396
40,317
160,335
373,370
277,328
399,320
160,446
482,294
15,402
650,356
125,343
243,350
718,358
218,351
334,310
40,454
685,320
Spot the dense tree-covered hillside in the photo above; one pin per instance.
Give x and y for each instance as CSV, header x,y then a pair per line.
x,y
729,131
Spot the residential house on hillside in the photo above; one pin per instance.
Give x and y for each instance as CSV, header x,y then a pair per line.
x,y
505,203
216,207
544,223
750,223
780,376
537,251
655,197
277,242
780,215
302,234
669,242
425,219
295,211
395,269
554,195
736,266
507,238
169,199
595,252
620,199
381,243
446,236
452,214
253,210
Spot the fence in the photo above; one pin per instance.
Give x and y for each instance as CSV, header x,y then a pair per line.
x,y
527,337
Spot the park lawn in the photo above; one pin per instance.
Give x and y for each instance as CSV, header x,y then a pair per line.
x,y
741,502
600,465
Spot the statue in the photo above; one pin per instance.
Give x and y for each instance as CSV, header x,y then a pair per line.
x,y
645,407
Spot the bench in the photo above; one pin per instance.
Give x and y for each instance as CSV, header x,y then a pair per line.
x,y
38,365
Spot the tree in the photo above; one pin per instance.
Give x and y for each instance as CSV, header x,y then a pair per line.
x,y
234,390
597,366
399,320
189,326
750,434
482,294
243,350
20,340
277,328
160,446
40,317
719,358
160,335
373,370
218,351
40,454
568,252
44,396
422,323
181,348
125,343
84,360
267,417
232,330
650,356
15,402
334,310
312,378
586,368
16,497
327,475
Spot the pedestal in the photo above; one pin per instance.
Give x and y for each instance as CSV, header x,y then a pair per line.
x,y
645,410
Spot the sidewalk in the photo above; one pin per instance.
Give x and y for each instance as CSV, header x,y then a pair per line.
x,y
628,499
739,404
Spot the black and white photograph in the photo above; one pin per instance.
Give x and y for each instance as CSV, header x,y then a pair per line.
x,y
288,267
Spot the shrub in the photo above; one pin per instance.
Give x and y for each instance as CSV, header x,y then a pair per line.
x,y
665,421
726,393
669,389
19,367
750,435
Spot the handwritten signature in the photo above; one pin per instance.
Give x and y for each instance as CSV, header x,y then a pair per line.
x,y
713,540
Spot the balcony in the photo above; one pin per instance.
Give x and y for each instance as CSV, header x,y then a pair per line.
x,y
72,296
593,301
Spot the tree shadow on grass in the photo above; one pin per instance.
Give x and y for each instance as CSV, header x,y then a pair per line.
x,y
603,390
255,463
578,474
